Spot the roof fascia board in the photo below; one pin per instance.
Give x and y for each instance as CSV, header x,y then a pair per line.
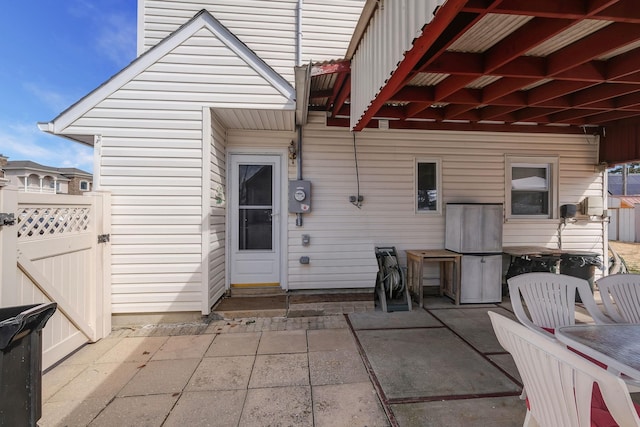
x,y
202,19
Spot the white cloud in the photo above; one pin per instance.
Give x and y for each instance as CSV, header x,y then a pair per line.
x,y
116,31
52,99
117,39
24,141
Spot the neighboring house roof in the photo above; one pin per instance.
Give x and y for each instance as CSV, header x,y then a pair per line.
x,y
627,201
61,173
633,184
202,19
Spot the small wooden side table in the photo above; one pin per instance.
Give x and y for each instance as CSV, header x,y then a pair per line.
x,y
449,271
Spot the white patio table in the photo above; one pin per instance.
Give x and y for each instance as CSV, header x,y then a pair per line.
x,y
616,345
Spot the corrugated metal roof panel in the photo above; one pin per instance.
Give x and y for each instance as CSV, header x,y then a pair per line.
x,y
483,81
620,51
427,79
536,84
570,35
487,32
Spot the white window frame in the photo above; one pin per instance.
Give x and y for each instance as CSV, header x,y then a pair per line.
x,y
86,183
548,162
438,163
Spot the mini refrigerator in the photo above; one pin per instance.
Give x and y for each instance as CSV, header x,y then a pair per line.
x,y
475,231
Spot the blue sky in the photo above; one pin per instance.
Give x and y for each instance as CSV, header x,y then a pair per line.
x,y
52,54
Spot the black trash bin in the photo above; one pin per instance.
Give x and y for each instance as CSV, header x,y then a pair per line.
x,y
21,363
582,265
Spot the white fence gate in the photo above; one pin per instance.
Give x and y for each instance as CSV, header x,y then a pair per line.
x,y
625,224
51,254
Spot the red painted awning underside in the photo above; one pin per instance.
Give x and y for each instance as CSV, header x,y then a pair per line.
x,y
528,80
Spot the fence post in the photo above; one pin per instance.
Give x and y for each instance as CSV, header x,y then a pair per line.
x,y
102,223
8,247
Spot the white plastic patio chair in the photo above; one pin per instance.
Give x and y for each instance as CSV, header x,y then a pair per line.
x,y
560,383
620,295
550,300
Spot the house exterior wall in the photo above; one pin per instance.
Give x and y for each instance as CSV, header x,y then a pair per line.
x,y
473,170
268,27
151,161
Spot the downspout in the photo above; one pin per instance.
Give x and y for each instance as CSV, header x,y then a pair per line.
x,y
605,222
299,123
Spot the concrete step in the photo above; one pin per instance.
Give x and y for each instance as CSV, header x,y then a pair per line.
x,y
252,306
257,291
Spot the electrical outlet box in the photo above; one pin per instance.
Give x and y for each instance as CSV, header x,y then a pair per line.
x,y
592,206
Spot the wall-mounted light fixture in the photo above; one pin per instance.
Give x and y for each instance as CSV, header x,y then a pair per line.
x,y
293,152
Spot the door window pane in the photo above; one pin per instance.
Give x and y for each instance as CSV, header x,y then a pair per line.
x,y
255,229
255,183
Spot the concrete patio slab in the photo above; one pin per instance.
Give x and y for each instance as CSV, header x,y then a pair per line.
x,y
278,370
58,378
160,376
136,411
474,326
394,320
220,408
240,344
494,411
184,347
336,367
72,413
506,362
298,372
354,404
101,380
284,406
331,339
277,342
429,362
222,373
91,352
138,349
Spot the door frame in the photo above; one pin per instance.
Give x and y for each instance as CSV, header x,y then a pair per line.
x,y
282,155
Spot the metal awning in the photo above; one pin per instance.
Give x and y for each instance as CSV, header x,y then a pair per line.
x,y
499,65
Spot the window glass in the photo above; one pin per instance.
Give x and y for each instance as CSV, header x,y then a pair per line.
x,y
427,186
84,185
531,188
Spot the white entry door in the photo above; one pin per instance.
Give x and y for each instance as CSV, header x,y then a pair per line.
x,y
255,220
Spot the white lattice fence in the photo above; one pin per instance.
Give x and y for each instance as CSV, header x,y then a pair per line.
x,y
58,258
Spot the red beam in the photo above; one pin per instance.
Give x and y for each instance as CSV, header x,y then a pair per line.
x,y
342,96
592,46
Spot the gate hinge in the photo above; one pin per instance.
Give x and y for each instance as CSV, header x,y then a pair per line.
x,y
103,238
7,219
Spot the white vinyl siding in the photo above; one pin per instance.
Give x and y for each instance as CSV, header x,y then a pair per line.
x,y
473,168
327,27
218,209
151,161
267,27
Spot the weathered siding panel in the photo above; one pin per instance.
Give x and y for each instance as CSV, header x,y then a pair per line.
x,y
218,209
473,170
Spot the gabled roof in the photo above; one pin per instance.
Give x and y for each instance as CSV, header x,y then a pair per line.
x,y
202,19
504,65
